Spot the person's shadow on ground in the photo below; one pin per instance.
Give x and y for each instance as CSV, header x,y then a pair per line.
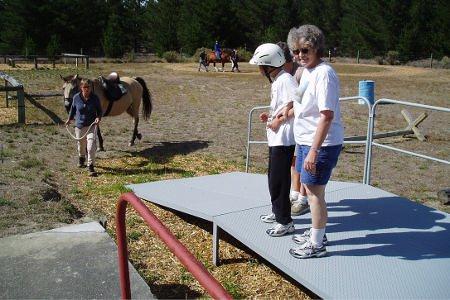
x,y
161,153
401,228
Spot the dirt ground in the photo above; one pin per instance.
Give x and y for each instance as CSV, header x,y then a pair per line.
x,y
198,127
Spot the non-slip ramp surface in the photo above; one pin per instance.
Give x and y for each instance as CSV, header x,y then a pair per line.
x,y
209,196
381,245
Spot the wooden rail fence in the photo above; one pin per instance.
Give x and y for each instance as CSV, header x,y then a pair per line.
x,y
12,85
12,60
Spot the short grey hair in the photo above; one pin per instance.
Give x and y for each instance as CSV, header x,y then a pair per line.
x,y
310,35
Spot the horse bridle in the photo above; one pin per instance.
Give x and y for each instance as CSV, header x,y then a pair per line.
x,y
76,89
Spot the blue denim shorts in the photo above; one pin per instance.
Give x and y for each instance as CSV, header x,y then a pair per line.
x,y
326,161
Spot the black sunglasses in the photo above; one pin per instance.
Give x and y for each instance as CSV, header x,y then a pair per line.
x,y
302,50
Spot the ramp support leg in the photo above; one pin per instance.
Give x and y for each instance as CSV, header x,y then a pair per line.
x,y
215,254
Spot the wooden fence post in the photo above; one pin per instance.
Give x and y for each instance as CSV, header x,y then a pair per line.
x,y
6,94
87,61
21,106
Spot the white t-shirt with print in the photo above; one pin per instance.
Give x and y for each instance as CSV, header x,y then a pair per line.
x,y
321,93
282,92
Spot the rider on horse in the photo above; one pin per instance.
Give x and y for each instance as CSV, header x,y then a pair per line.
x,y
217,50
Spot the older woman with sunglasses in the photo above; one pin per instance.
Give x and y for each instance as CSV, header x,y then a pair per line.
x,y
318,132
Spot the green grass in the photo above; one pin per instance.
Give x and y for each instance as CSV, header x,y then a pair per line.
x,y
233,289
134,235
30,162
152,278
5,202
6,152
35,200
186,277
47,175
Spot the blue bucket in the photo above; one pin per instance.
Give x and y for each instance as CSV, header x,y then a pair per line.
x,y
367,90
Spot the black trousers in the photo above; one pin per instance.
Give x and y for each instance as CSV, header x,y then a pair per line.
x,y
279,176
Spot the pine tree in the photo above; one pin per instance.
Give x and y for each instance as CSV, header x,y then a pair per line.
x,y
12,35
161,19
112,45
363,28
53,47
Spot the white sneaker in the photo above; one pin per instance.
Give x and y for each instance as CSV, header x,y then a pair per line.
x,y
270,218
305,237
280,229
293,196
308,250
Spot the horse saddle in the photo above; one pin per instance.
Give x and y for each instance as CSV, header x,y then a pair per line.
x,y
113,87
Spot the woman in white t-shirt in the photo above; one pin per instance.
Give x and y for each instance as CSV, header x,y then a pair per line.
x,y
270,60
298,197
318,132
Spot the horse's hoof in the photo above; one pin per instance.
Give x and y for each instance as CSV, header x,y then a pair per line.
x,y
101,149
139,136
131,144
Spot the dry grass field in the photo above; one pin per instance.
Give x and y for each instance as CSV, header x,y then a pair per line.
x,y
199,127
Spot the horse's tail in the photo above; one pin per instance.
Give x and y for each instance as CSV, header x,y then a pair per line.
x,y
146,99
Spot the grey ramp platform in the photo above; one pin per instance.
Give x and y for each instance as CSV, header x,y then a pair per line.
x,y
381,245
213,195
73,262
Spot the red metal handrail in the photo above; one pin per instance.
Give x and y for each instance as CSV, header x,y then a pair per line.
x,y
209,283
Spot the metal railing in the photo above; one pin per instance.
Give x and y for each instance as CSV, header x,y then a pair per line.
x,y
342,99
371,143
209,283
249,130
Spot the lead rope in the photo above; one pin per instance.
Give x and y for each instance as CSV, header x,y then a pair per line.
x,y
85,134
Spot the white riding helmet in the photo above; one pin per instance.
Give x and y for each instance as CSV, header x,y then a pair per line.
x,y
268,55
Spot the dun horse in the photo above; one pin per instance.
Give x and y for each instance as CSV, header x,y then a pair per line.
x,y
130,102
225,57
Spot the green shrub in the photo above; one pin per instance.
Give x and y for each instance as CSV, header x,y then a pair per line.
x,y
379,60
445,61
172,57
244,55
392,57
130,56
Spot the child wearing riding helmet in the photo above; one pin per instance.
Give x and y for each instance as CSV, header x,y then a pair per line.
x,y
270,60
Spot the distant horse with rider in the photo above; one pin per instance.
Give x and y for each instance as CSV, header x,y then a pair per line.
x,y
124,94
225,57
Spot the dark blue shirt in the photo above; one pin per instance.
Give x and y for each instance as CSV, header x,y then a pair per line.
x,y
85,112
217,47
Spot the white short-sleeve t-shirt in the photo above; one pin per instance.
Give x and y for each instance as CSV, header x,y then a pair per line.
x,y
282,92
321,93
